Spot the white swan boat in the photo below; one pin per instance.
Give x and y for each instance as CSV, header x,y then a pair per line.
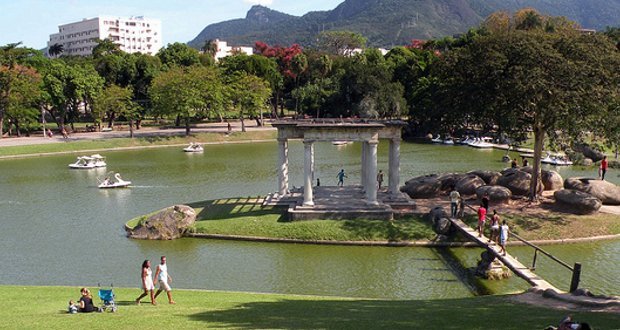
x,y
448,141
118,182
341,142
193,147
556,160
88,162
437,139
482,143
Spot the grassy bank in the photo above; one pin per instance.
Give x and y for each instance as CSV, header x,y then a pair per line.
x,y
45,307
246,217
111,143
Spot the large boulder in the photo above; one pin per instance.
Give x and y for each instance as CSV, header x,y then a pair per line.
x,y
517,181
606,191
577,201
497,194
427,186
449,180
589,152
169,223
468,184
490,177
552,180
440,221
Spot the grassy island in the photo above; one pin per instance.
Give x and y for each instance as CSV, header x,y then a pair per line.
x,y
247,217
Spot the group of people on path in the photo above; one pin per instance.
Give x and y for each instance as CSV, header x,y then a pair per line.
x,y
163,279
499,229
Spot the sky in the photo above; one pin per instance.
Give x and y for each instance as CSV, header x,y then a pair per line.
x,y
32,21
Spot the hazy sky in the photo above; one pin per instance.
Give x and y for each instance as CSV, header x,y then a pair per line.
x,y
32,21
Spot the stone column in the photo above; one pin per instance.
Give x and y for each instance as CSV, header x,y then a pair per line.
x,y
394,163
364,165
371,177
282,166
308,199
312,161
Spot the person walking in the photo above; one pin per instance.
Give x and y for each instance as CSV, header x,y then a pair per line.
x,y
162,276
380,178
147,282
495,219
485,200
604,166
503,237
341,177
455,198
482,215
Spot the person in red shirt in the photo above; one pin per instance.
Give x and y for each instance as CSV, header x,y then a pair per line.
x,y
482,215
603,167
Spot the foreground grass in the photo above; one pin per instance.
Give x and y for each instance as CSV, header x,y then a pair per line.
x,y
45,307
246,217
111,143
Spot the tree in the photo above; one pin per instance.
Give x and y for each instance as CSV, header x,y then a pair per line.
x,y
106,47
178,54
340,42
14,67
183,92
21,107
531,80
55,50
115,101
249,95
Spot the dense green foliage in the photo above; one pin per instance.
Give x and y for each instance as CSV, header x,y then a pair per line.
x,y
385,23
238,310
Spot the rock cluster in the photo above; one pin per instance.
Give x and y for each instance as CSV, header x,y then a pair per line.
x,y
169,223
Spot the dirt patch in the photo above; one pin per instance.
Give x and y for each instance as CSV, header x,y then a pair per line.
x,y
540,220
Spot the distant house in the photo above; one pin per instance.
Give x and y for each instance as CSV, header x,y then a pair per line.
x,y
224,50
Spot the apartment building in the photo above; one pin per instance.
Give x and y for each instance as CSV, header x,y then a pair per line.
x,y
132,34
224,50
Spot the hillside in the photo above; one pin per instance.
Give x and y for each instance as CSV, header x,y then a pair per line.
x,y
394,22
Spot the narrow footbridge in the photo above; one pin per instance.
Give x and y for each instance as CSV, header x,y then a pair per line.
x,y
516,266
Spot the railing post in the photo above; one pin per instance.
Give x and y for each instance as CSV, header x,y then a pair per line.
x,y
574,282
534,261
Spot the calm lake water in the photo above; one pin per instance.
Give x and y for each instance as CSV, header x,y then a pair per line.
x,y
57,228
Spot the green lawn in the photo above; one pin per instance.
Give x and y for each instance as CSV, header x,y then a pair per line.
x,y
110,143
246,217
29,307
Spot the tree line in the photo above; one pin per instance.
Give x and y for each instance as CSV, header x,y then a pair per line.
x,y
514,75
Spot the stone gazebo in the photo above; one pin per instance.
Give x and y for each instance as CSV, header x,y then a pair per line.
x,y
347,202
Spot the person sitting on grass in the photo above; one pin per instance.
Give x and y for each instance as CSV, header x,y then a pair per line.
x,y
85,304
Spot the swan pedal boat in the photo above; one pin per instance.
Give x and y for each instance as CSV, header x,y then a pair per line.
x,y
557,161
119,183
193,147
88,162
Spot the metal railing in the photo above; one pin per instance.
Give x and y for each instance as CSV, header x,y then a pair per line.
x,y
575,270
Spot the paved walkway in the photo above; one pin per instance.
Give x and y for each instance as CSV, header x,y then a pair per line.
x,y
143,132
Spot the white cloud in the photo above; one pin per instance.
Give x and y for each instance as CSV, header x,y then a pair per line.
x,y
259,2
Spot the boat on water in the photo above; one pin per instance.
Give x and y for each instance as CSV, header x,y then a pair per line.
x,y
448,141
482,143
437,139
193,147
88,162
341,142
117,182
556,160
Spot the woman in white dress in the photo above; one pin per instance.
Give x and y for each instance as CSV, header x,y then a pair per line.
x,y
147,282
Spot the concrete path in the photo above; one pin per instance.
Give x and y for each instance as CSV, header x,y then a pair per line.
x,y
143,132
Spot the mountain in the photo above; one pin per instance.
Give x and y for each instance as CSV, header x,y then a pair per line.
x,y
395,22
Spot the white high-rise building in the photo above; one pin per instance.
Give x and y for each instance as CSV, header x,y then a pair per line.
x,y
132,34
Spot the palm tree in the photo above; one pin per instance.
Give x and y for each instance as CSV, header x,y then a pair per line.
x,y
56,49
210,48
